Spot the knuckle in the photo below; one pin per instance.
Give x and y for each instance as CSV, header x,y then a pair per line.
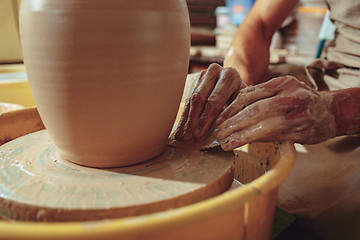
x,y
285,80
231,71
292,81
212,100
230,74
247,89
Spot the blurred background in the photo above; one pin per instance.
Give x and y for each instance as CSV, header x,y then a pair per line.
x,y
213,25
214,22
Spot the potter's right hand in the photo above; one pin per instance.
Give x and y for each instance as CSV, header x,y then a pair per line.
x,y
215,88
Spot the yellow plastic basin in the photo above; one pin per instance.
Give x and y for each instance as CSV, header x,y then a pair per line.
x,y
14,87
243,213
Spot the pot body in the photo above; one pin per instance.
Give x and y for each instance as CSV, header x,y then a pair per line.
x,y
107,76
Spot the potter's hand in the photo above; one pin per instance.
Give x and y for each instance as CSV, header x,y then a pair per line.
x,y
214,89
281,109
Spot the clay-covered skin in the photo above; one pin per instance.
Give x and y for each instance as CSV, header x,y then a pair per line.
x,y
345,107
106,76
281,109
214,89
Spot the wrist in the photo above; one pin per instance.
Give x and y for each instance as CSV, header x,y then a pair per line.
x,y
346,110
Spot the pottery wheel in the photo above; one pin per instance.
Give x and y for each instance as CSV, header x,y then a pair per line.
x,y
37,185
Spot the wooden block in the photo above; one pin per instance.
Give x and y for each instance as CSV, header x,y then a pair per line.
x,y
37,185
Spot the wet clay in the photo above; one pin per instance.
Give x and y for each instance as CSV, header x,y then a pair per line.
x,y
107,77
281,109
37,185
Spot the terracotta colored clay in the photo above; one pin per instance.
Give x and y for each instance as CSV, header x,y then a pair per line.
x,y
37,185
106,76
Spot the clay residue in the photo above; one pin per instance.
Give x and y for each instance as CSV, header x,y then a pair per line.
x,y
34,175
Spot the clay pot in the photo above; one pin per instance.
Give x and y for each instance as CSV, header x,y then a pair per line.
x,y
107,76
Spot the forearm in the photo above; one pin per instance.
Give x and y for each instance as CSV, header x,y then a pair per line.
x,y
346,109
249,52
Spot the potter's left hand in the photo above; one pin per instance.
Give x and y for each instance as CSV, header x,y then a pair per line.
x,y
215,88
280,109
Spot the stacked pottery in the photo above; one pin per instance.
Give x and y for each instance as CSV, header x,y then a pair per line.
x,y
107,76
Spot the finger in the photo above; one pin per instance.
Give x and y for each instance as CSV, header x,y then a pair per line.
x,y
198,99
282,83
198,81
245,97
258,112
179,132
268,130
228,84
277,128
252,94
